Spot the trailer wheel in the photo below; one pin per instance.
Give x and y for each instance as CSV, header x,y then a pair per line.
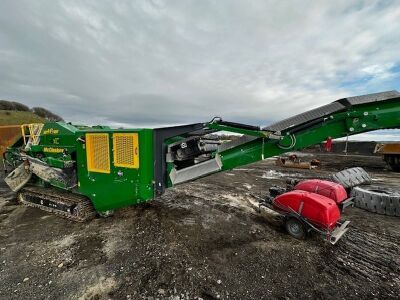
x,y
295,228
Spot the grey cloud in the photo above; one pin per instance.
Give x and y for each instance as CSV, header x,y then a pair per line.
x,y
154,63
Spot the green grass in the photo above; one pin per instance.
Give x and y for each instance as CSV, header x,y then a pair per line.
x,y
18,117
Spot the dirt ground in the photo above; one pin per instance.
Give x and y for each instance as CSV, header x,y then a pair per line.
x,y
201,240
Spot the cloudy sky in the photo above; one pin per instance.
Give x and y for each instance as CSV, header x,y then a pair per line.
x,y
151,63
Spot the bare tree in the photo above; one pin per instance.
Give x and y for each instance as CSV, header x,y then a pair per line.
x,y
12,105
44,113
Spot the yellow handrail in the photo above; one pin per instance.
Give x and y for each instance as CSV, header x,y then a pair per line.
x,y
34,132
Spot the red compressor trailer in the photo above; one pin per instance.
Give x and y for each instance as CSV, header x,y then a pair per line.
x,y
306,211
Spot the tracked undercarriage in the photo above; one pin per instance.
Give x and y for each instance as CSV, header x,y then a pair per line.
x,y
67,205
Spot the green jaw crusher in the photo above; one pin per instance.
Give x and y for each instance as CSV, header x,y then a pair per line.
x,y
76,171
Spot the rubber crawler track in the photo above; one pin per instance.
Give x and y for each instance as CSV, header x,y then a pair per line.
x,y
83,212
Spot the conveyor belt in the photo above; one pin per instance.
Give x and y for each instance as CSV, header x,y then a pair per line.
x,y
329,109
373,97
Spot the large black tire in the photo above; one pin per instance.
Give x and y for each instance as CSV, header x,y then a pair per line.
x,y
376,199
395,168
393,160
295,228
352,177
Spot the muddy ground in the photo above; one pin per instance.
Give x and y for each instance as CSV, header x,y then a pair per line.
x,y
201,240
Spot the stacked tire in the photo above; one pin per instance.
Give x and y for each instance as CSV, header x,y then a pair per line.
x,y
376,199
352,177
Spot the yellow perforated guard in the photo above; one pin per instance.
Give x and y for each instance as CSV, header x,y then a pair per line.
x,y
98,152
126,150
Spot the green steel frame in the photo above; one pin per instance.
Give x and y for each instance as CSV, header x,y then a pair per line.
x,y
62,145
358,119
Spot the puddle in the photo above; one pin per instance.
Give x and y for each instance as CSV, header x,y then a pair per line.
x,y
272,174
247,186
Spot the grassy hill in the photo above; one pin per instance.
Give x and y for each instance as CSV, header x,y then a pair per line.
x,y
19,117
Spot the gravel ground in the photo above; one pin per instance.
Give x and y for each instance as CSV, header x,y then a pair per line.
x,y
201,240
